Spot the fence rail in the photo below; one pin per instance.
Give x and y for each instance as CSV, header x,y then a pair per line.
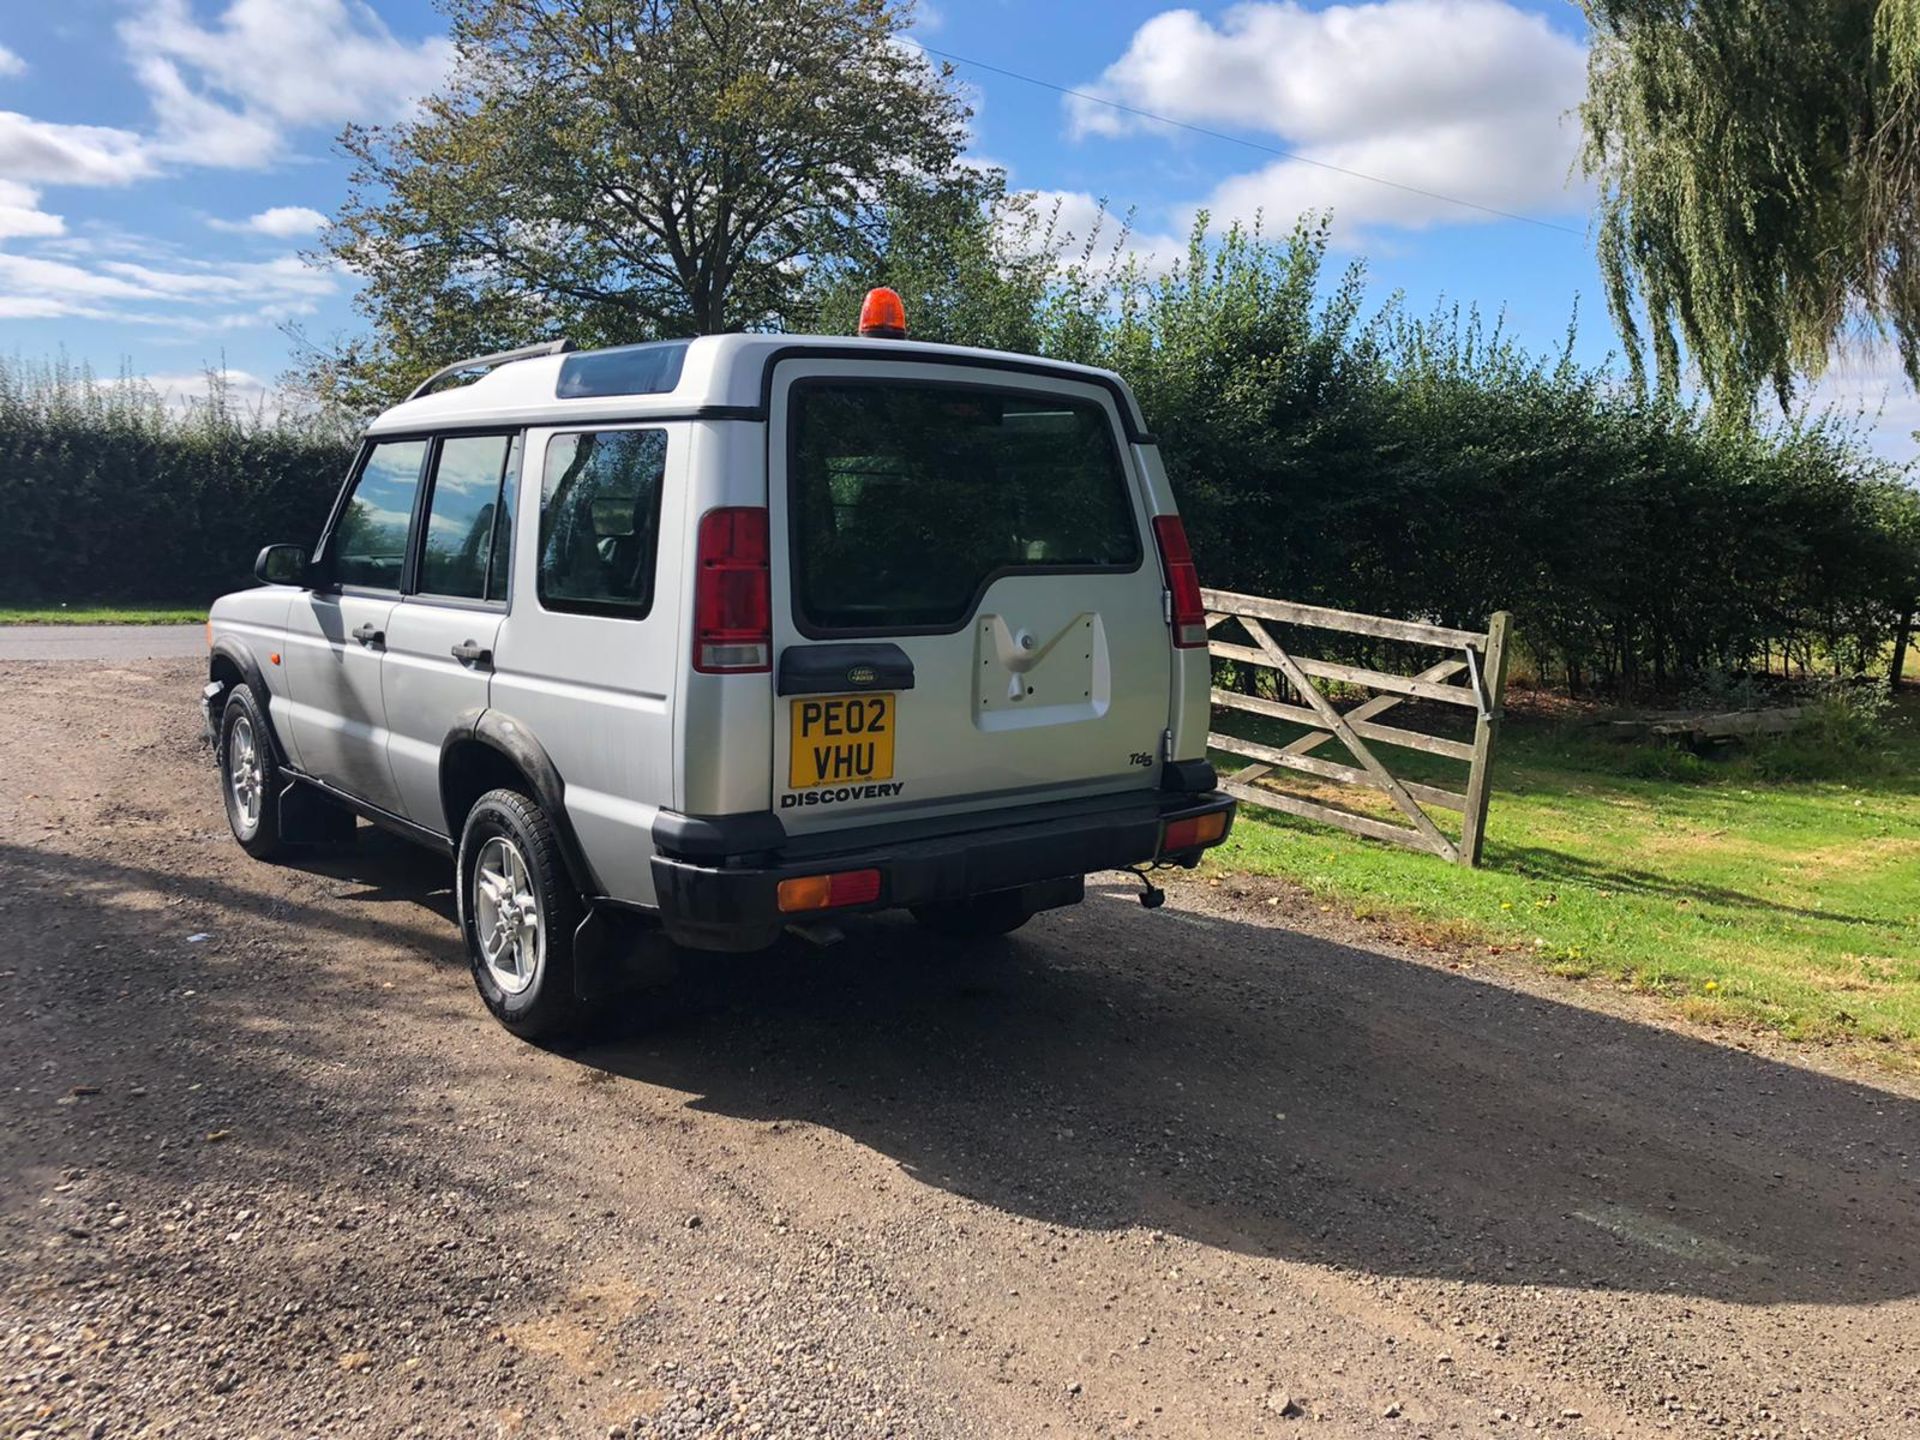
x,y
1475,679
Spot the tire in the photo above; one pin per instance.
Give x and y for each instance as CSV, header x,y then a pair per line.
x,y
251,783
509,867
978,917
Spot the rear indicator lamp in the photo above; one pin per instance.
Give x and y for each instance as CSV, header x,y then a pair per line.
x,y
828,892
732,595
1192,832
1189,616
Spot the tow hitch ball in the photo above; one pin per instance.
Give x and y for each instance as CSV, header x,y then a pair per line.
x,y
1152,897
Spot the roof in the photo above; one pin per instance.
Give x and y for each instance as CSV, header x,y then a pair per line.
x,y
721,374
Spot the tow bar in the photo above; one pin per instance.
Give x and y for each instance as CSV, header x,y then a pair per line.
x,y
1152,897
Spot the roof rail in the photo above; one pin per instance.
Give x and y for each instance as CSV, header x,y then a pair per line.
x,y
499,357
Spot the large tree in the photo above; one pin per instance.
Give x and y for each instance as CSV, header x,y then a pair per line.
x,y
1759,171
619,170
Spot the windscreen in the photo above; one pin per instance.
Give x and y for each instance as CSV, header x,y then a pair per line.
x,y
908,499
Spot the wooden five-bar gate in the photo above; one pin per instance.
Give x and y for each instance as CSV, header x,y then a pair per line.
x,y
1473,677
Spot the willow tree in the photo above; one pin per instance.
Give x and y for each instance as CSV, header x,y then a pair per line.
x,y
628,169
1759,173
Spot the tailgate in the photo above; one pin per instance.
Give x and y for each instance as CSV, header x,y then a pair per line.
x,y
967,609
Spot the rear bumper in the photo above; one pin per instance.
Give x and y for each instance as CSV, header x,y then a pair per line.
x,y
728,901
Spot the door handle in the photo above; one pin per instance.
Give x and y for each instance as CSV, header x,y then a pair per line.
x,y
471,652
370,635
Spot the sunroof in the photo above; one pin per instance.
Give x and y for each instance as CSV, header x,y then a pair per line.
x,y
650,369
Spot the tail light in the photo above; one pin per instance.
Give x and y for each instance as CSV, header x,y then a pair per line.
x,y
1189,616
732,596
826,892
1193,831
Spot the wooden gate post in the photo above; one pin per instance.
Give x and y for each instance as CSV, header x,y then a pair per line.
x,y
1473,827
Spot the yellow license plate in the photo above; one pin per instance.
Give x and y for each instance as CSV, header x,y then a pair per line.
x,y
841,740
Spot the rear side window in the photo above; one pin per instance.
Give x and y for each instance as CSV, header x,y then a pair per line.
x,y
908,499
650,369
464,516
600,521
370,542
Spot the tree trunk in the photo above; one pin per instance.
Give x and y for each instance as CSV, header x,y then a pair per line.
x,y
1901,638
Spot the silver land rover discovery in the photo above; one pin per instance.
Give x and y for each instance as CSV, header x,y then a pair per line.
x,y
679,643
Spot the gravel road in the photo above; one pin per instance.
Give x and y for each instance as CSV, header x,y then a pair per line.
x,y
101,642
266,1168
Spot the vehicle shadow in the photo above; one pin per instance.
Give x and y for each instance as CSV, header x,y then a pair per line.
x,y
1224,1079
1272,1093
384,868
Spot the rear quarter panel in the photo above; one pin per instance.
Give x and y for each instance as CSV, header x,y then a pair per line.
x,y
596,692
723,727
1189,706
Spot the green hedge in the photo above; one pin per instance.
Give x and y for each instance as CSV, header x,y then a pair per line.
x,y
107,494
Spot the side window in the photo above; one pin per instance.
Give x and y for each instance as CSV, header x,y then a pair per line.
x,y
463,516
370,542
600,521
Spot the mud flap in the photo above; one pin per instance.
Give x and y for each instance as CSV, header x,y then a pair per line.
x,y
615,951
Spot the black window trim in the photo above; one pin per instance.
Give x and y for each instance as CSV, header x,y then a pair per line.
x,y
606,609
429,480
323,556
796,606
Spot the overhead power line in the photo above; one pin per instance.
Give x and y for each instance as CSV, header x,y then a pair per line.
x,y
1295,155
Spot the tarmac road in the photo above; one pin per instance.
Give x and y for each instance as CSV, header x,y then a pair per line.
x,y
266,1167
101,642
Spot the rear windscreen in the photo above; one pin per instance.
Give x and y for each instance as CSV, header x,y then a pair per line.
x,y
908,499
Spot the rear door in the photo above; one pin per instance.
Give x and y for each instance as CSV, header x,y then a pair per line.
x,y
440,637
967,609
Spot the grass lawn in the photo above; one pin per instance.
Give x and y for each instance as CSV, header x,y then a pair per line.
x,y
102,614
1749,900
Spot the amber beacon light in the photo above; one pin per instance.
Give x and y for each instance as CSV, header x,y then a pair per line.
x,y
882,316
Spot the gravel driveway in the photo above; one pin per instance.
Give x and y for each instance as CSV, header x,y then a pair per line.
x,y
266,1168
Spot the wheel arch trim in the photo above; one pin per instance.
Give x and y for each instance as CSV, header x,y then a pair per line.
x,y
511,739
241,658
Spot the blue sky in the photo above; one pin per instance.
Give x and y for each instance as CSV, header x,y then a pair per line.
x,y
164,162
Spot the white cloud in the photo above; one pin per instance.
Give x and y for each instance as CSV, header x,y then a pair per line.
x,y
189,390
41,152
195,130
1436,162
177,293
283,222
21,215
231,92
11,63
1077,219
225,92
1467,98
